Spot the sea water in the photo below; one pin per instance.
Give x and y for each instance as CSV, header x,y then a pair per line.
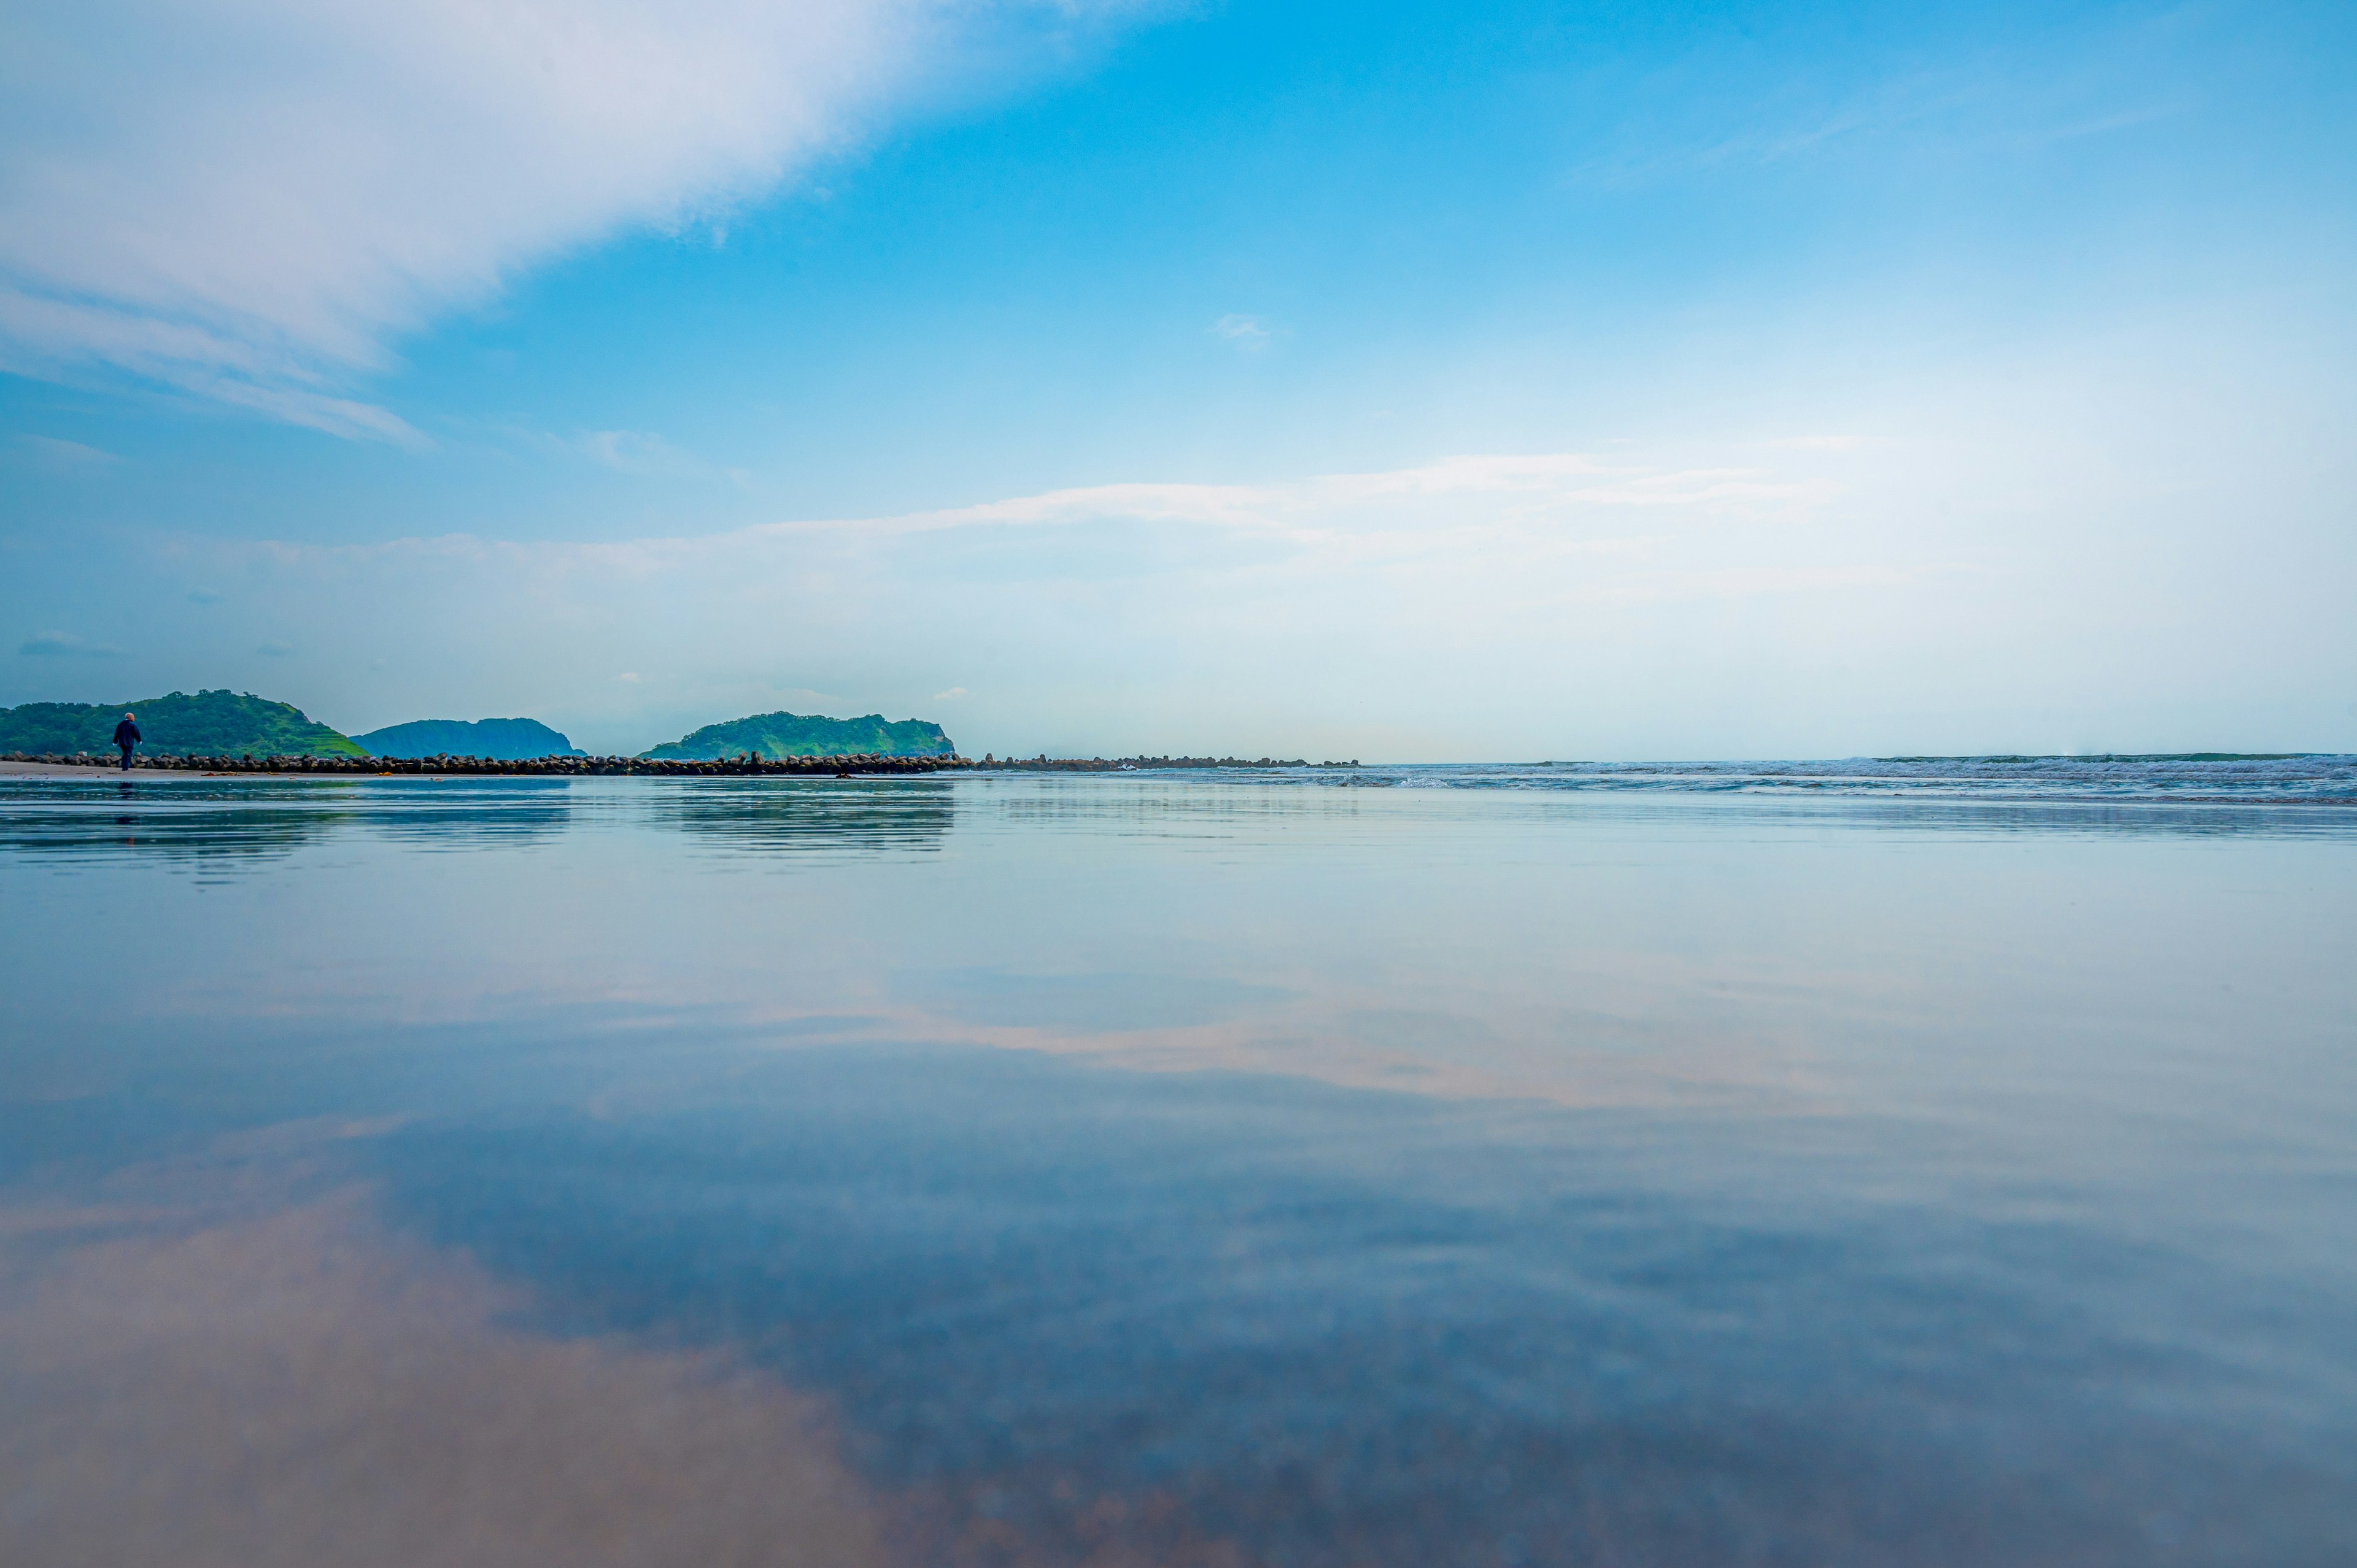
x,y
1915,1161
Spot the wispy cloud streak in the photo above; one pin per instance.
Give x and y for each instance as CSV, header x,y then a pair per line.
x,y
252,201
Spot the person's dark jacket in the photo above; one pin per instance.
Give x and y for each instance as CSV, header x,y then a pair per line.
x,y
126,733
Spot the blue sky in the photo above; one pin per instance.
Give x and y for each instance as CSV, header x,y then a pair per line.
x,y
1402,382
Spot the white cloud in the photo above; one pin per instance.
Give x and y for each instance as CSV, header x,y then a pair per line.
x,y
1246,332
643,452
1530,529
1543,491
252,199
59,456
1521,519
952,696
275,649
65,645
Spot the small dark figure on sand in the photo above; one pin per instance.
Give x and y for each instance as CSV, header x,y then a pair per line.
x,y
126,736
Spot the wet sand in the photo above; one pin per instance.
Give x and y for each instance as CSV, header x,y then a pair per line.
x,y
57,771
1011,1172
217,1383
109,770
232,1361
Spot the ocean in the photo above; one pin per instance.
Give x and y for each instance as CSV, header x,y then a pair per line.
x,y
1904,1162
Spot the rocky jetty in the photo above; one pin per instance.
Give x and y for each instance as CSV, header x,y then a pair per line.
x,y
536,767
1046,763
577,766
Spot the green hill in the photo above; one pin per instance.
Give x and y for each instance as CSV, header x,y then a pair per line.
x,y
506,740
211,723
795,735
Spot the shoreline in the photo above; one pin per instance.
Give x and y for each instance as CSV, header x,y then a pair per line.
x,y
21,765
80,766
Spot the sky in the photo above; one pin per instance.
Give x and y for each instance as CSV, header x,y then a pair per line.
x,y
1399,381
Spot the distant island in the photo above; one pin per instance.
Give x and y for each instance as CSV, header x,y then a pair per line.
x,y
502,740
795,734
210,724
232,723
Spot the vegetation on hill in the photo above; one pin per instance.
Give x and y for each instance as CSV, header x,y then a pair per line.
x,y
503,740
211,723
795,735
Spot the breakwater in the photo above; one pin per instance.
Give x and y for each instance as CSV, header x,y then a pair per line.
x,y
1044,764
658,767
534,767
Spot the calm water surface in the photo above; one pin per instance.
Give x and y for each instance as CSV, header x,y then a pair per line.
x,y
1853,1163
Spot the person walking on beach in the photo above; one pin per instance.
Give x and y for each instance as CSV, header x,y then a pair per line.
x,y
126,736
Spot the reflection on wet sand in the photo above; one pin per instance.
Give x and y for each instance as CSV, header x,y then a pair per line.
x,y
863,814
235,1362
710,1171
1731,1045
225,821
1087,1311
205,821
299,1388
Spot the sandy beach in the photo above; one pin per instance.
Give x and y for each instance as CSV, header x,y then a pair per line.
x,y
108,771
56,770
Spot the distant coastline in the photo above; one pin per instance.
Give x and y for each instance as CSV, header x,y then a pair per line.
x,y
225,724
227,731
2201,782
581,765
